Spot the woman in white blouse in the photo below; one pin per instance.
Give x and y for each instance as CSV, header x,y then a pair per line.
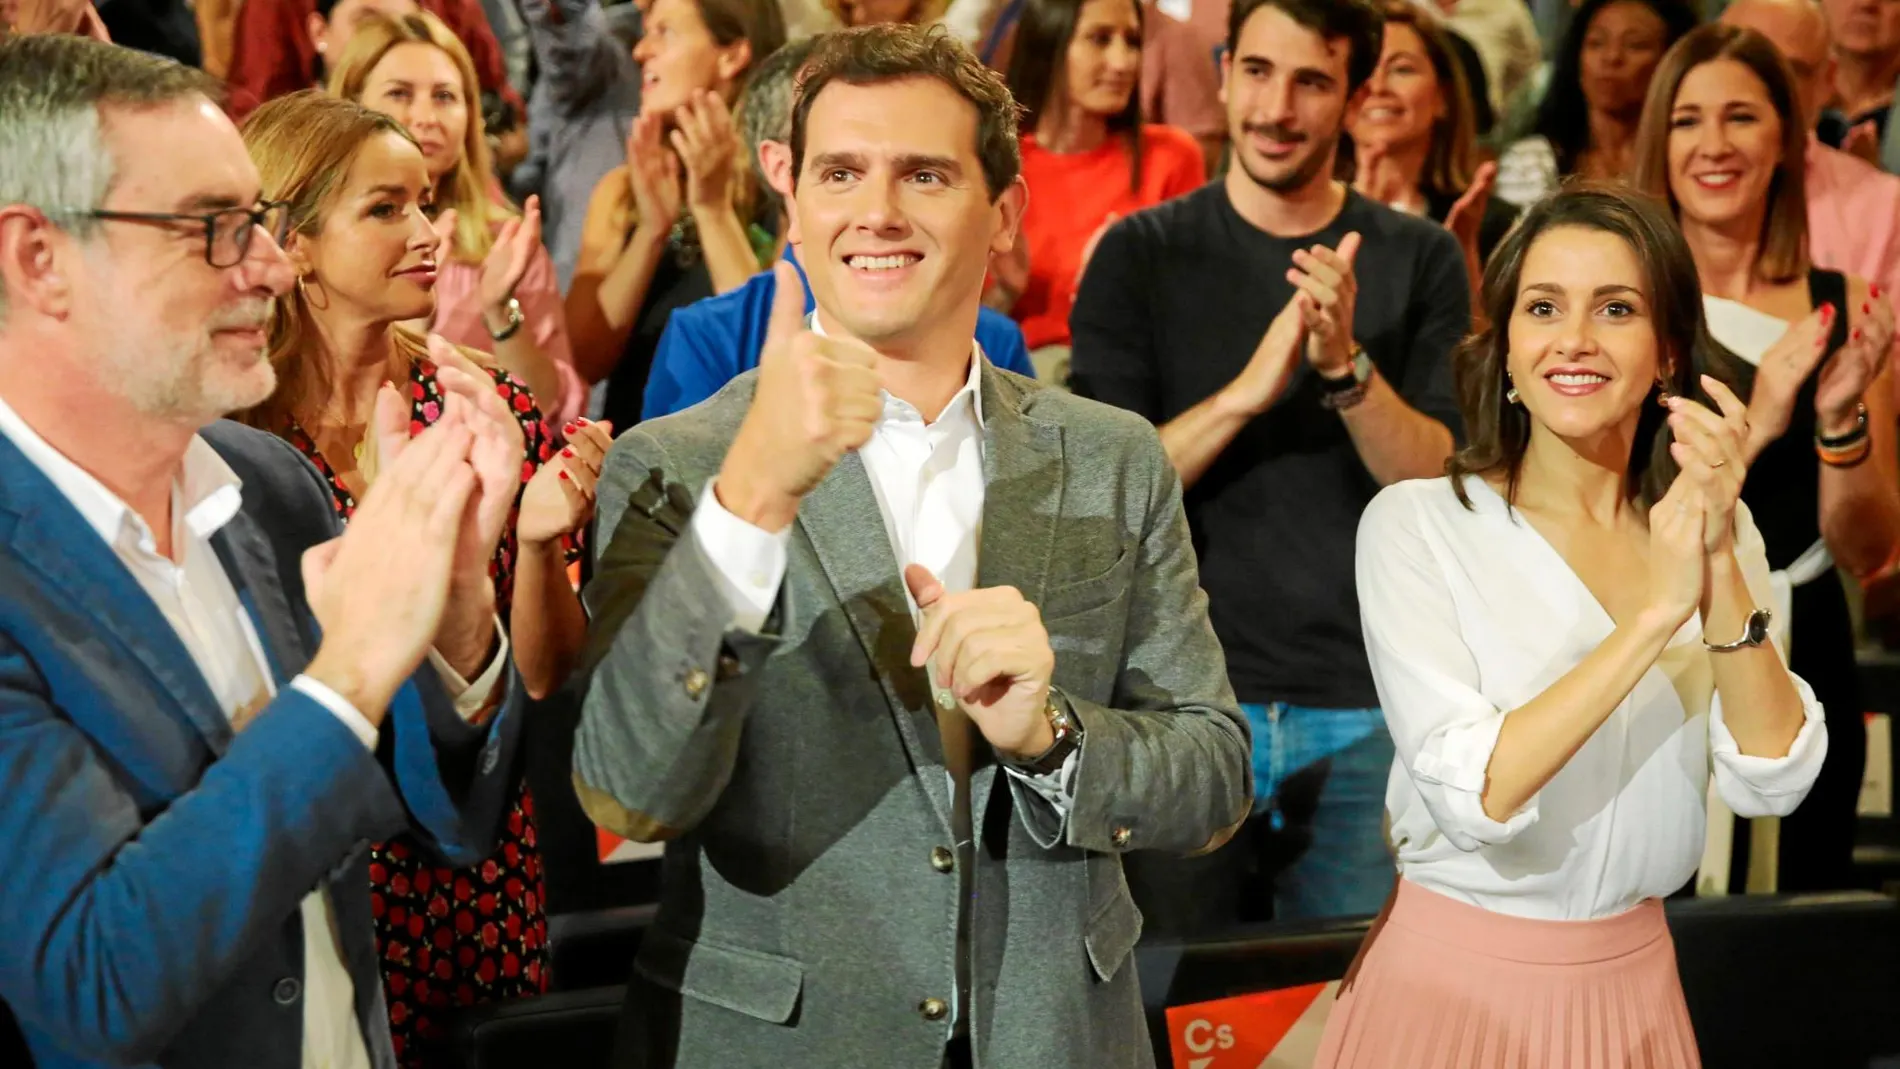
x,y
1568,641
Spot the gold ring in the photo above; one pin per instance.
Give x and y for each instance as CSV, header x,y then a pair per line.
x,y
1718,463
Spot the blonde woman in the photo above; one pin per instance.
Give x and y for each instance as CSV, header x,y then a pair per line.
x,y
356,186
674,225
497,290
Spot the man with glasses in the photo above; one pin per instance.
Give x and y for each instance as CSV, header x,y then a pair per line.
x,y
210,700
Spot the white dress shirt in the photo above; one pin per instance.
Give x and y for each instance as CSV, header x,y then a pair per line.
x,y
1470,613
198,599
929,482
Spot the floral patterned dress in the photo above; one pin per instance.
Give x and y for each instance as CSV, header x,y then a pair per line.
x,y
454,937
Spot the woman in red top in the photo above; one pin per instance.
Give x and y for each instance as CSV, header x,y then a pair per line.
x,y
356,188
1087,156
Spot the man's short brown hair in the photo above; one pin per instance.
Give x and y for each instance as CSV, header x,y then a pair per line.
x,y
869,55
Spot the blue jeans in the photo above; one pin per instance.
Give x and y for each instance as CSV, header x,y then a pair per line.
x,y
1319,787
1315,845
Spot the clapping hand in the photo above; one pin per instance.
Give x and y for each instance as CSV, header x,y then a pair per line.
x,y
708,146
559,499
496,454
1466,217
380,590
1708,448
1844,381
992,654
508,260
653,170
1328,291
1778,378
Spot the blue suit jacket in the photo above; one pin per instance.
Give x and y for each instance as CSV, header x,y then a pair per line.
x,y
713,341
155,860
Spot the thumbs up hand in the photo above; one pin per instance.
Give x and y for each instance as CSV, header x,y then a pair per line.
x,y
816,399
993,657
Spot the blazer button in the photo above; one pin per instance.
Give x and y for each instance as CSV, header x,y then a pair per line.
x,y
695,683
933,1009
1120,837
286,991
942,859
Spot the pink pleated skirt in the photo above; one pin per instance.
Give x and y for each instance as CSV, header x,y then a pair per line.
x,y
1446,985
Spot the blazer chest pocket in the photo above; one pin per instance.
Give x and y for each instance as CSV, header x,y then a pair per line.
x,y
1085,596
760,985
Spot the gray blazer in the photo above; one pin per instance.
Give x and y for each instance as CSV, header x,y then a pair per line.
x,y
798,775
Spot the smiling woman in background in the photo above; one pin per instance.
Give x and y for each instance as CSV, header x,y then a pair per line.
x,y
1722,139
1567,644
1087,156
496,291
1415,138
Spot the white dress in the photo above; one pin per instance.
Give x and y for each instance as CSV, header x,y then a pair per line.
x,y
1470,613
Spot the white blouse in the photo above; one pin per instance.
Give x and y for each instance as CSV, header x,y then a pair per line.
x,y
1469,614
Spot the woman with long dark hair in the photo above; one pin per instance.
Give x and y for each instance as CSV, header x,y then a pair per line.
x,y
1586,125
1723,142
1087,156
1568,638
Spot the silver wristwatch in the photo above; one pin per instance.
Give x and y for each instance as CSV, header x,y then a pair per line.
x,y
515,318
1754,633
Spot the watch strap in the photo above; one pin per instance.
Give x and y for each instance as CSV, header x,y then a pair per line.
x,y
1068,732
1754,633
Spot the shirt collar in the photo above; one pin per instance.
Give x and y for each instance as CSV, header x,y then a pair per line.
x,y
972,391
207,490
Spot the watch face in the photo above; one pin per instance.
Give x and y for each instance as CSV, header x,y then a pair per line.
x,y
1758,626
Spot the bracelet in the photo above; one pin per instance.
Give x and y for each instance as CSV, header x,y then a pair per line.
x,y
515,319
1851,456
1852,438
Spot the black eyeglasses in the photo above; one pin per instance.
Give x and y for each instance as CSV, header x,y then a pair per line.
x,y
227,231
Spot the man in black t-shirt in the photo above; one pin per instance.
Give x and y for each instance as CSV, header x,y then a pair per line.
x,y
1292,340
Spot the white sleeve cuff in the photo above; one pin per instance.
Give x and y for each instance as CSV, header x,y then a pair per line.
x,y
1768,786
748,563
1052,786
471,697
343,710
1450,773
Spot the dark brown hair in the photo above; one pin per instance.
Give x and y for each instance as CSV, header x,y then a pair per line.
x,y
1357,22
869,55
1038,66
1498,431
1784,224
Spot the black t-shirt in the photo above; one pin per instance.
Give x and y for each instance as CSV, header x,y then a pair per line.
x,y
1173,304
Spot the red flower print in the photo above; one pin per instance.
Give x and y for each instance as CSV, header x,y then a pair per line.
x,y
378,874
490,871
490,935
510,965
415,927
418,391
431,412
486,904
464,922
522,403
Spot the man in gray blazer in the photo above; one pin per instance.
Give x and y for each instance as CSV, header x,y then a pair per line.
x,y
896,772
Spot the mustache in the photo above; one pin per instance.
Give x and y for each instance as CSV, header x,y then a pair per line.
x,y
1273,130
247,315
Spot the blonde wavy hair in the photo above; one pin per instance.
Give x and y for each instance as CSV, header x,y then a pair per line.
x,y
304,145
467,188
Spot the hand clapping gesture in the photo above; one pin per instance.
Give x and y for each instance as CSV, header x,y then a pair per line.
x,y
1327,293
1844,381
708,146
1708,448
653,170
559,499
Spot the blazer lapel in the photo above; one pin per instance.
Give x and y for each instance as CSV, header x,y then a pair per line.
x,y
842,520
85,575
252,565
1023,473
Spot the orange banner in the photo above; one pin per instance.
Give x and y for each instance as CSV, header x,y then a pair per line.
x,y
1269,1030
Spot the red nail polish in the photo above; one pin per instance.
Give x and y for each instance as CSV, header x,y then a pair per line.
x,y
567,429
1873,290
564,477
1827,312
567,452
1856,333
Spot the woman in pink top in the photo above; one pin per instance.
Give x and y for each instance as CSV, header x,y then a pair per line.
x,y
496,290
1087,157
